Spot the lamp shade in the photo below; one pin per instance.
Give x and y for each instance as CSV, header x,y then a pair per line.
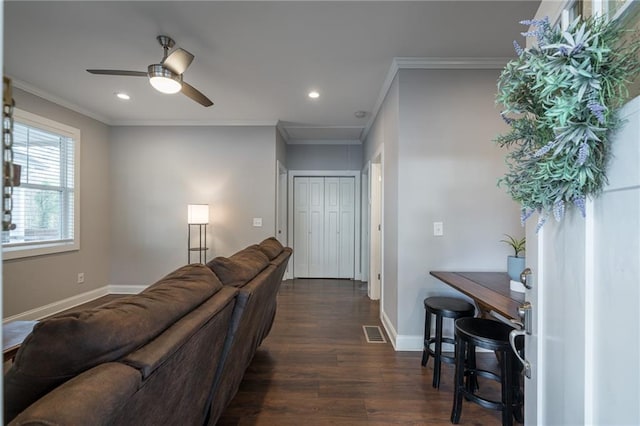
x,y
197,214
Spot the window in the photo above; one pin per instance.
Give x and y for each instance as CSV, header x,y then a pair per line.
x,y
45,205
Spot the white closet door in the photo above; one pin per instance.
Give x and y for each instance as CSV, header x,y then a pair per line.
x,y
301,227
316,227
332,227
324,227
346,240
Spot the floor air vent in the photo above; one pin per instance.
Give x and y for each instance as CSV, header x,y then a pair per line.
x,y
374,334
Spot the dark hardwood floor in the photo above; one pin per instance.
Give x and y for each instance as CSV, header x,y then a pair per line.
x,y
316,368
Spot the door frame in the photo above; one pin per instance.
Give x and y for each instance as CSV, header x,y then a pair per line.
x,y
357,217
282,198
365,220
375,232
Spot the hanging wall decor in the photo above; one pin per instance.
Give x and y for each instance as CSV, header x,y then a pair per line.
x,y
561,98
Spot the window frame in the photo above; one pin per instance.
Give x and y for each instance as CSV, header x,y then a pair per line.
x,y
23,250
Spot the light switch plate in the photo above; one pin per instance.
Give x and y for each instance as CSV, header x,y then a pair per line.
x,y
438,230
257,222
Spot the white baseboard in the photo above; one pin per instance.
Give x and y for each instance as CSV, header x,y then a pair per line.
x,y
126,289
59,306
410,343
70,302
388,327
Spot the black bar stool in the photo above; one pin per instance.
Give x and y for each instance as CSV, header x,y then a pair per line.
x,y
441,307
493,335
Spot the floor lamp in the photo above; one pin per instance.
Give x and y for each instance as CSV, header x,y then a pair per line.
x,y
198,216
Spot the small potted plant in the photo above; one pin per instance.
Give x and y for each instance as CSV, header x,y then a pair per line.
x,y
515,263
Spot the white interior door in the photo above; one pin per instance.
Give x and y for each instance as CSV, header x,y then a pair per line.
x,y
375,234
324,227
585,344
613,293
281,205
316,227
332,227
365,202
346,229
301,227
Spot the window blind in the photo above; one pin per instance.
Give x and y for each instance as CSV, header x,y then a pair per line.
x,y
43,204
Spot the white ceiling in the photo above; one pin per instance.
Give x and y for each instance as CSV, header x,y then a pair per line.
x,y
256,60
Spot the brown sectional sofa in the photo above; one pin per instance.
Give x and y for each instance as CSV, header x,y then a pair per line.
x,y
173,354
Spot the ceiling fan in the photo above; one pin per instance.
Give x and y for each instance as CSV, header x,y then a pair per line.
x,y
166,77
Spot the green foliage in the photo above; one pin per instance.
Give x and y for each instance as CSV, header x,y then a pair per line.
x,y
561,99
517,245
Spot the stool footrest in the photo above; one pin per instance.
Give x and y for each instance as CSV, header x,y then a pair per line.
x,y
486,403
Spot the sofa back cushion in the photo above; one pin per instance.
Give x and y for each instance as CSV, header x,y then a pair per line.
x,y
238,269
271,247
62,347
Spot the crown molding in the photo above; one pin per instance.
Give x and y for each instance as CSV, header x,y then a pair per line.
x,y
449,63
434,63
283,127
282,131
193,123
324,142
29,88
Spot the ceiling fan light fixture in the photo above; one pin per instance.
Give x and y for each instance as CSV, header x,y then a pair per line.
x,y
163,80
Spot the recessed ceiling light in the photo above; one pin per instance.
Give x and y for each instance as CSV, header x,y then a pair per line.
x,y
314,94
360,114
123,96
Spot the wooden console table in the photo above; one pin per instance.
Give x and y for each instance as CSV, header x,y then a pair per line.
x,y
490,290
13,334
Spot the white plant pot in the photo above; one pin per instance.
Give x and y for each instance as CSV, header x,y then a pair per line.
x,y
517,286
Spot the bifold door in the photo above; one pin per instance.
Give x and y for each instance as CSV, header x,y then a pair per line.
x,y
324,227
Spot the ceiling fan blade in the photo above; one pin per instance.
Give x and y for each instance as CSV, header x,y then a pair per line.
x,y
196,95
178,61
119,72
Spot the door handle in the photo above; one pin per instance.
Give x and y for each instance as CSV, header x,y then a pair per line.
x,y
512,341
525,314
524,277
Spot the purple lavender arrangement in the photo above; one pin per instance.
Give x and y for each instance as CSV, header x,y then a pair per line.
x,y
561,97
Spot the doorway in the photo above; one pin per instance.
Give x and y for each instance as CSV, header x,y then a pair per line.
x,y
324,223
375,229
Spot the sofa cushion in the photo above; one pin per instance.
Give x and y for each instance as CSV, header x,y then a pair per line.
x,y
241,267
271,247
63,346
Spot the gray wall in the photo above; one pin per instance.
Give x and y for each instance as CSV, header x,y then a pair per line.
x,y
157,171
37,281
281,149
324,157
383,137
447,167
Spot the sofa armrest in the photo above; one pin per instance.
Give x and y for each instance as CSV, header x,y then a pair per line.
x,y
90,398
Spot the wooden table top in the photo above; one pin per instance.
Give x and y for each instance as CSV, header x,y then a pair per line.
x,y
490,290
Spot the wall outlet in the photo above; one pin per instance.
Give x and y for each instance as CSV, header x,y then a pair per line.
x,y
80,277
257,222
438,230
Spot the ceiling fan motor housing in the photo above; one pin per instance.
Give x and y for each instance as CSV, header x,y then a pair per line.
x,y
163,79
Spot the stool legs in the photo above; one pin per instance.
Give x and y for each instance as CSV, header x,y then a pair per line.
x,y
437,358
506,368
427,338
518,401
458,381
